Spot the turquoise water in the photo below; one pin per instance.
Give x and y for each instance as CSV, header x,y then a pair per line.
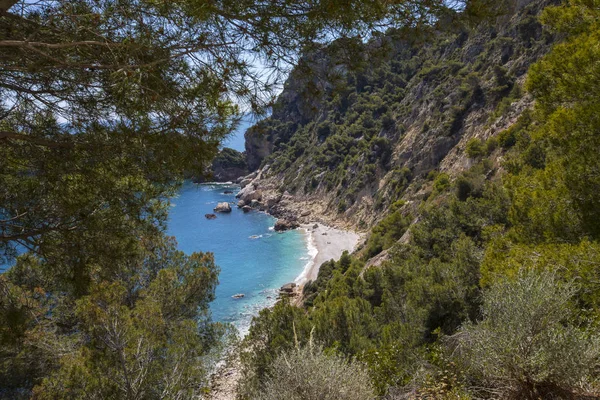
x,y
254,260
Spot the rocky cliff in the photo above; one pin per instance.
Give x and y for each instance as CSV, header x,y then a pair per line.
x,y
360,126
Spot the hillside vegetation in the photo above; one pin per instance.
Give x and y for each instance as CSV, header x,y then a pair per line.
x,y
483,147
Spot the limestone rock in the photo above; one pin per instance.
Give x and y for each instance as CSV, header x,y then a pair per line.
x,y
288,288
245,182
271,201
223,208
285,224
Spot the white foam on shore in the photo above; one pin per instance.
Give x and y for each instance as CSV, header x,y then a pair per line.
x,y
312,255
217,184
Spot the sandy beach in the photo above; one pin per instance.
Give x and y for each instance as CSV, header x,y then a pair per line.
x,y
325,243
328,243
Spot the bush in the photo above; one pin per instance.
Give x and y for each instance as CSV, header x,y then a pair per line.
x,y
431,175
464,188
469,184
475,148
491,144
388,231
527,345
309,374
441,182
507,138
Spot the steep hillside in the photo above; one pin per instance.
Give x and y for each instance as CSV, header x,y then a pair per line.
x,y
350,137
479,277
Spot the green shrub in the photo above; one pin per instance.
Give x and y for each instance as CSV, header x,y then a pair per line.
x,y
388,231
507,138
528,344
374,245
469,184
491,144
464,188
310,374
431,175
475,148
441,182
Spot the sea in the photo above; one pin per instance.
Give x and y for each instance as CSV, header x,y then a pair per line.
x,y
254,259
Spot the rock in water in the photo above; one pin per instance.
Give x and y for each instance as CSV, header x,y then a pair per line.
x,y
223,208
210,216
238,296
247,209
228,192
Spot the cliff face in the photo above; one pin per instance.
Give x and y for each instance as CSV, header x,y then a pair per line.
x,y
360,126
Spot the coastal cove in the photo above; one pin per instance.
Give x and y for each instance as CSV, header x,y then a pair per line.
x,y
254,259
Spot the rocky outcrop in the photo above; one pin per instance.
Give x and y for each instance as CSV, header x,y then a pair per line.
x,y
316,76
259,144
245,182
222,208
250,195
285,225
289,289
348,138
210,216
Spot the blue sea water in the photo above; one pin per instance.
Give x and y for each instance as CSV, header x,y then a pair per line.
x,y
254,260
236,139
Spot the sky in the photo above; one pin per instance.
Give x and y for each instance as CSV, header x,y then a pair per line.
x,y
236,139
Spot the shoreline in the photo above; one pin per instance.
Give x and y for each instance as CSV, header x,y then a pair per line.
x,y
325,243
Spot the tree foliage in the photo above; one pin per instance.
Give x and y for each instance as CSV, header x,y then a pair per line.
x,y
523,241
145,333
526,345
308,373
105,105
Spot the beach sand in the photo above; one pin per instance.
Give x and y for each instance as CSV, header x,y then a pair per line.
x,y
325,243
328,243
